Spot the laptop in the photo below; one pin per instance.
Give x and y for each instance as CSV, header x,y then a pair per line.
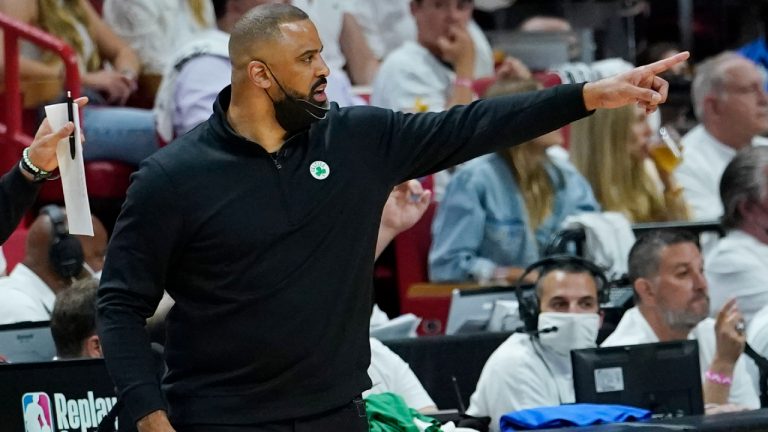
x,y
471,309
27,342
65,395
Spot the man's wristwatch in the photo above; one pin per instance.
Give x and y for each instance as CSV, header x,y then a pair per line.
x,y
26,164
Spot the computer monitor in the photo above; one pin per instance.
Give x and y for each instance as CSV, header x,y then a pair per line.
x,y
664,378
65,395
470,309
27,342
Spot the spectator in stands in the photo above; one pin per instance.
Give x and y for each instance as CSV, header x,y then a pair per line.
x,y
155,29
390,374
20,185
737,267
533,369
552,24
672,303
437,70
345,48
52,261
500,210
611,149
73,321
730,101
114,132
389,24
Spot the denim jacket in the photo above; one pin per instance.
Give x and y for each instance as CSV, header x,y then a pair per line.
x,y
482,222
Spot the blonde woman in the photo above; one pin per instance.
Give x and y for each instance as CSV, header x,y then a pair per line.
x,y
157,28
499,210
108,72
611,149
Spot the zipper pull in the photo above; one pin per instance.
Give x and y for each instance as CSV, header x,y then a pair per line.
x,y
275,158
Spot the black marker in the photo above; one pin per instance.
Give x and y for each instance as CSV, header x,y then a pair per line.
x,y
71,117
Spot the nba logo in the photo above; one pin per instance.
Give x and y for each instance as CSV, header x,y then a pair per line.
x,y
37,412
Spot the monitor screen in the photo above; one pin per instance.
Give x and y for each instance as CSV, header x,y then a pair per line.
x,y
27,342
471,309
664,378
66,395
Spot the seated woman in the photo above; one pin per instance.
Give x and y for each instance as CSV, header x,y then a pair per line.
x,y
501,209
114,132
611,149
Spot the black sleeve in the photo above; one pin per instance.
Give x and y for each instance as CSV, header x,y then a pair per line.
x,y
17,194
414,145
139,254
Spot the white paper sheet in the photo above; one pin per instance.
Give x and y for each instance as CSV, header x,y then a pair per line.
x,y
72,172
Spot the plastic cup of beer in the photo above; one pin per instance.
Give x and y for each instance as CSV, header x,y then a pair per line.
x,y
667,153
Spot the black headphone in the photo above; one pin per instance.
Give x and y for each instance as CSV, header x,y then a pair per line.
x,y
66,252
529,305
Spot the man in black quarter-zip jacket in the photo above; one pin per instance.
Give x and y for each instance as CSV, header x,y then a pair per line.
x,y
261,224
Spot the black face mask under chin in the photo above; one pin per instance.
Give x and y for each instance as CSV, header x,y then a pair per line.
x,y
296,114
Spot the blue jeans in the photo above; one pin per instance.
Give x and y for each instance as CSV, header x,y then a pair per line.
x,y
118,133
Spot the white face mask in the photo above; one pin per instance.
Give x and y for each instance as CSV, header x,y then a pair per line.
x,y
574,330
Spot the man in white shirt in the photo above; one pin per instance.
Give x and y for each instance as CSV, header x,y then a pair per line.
x,y
533,369
730,102
436,71
28,293
391,374
737,267
667,272
389,24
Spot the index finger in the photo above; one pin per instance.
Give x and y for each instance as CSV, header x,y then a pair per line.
x,y
664,64
725,310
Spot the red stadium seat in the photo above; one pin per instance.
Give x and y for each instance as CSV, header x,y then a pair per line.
x,y
105,179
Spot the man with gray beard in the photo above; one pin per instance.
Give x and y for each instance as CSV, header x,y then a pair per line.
x,y
672,303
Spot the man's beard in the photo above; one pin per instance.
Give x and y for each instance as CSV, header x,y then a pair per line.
x,y
684,320
296,112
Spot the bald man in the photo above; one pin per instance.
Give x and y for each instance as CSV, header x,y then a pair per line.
x,y
262,223
29,292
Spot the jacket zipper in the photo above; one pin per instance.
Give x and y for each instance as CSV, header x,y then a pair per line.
x,y
275,158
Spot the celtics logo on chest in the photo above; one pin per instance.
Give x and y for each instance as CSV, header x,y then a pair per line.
x,y
319,170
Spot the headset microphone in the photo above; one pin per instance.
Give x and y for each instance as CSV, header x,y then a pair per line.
x,y
529,304
522,329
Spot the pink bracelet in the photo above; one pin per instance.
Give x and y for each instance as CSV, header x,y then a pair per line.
x,y
463,82
718,378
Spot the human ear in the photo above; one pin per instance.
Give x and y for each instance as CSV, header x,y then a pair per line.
x,y
644,291
258,74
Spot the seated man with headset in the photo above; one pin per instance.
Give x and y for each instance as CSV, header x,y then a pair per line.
x,y
533,368
53,260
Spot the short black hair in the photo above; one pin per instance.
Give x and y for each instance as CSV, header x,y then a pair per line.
x,y
74,317
261,24
572,267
